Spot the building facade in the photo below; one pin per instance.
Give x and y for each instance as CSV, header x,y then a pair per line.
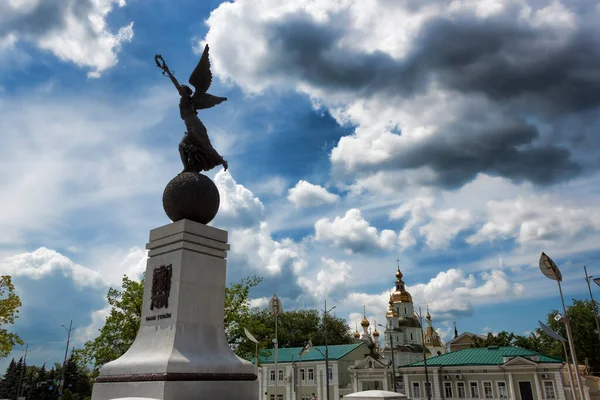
x,y
299,377
486,373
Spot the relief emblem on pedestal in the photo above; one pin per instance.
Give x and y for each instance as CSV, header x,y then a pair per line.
x,y
161,287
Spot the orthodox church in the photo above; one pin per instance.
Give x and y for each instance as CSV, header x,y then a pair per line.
x,y
403,333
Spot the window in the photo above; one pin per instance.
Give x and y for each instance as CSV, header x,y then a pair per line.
x,y
549,391
311,374
487,390
502,391
428,340
411,337
279,397
272,375
280,375
448,390
330,373
302,375
460,390
416,390
474,390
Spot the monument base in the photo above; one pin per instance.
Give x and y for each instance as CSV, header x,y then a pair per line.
x,y
181,352
167,390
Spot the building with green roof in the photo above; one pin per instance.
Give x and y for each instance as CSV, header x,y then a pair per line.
x,y
299,377
487,373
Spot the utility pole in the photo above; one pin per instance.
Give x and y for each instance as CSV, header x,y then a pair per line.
x,y
427,384
325,313
588,278
23,368
276,310
393,363
64,367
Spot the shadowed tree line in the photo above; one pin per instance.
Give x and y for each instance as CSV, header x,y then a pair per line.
x,y
40,383
583,327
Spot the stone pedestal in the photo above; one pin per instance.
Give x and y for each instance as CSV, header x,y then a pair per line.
x,y
180,352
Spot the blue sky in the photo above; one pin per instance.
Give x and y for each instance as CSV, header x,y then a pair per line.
x,y
458,137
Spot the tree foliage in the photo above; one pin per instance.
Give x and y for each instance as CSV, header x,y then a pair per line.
x,y
39,384
123,322
294,329
9,310
121,325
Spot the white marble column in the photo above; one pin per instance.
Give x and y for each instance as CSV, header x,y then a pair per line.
x,y
538,388
318,380
436,385
511,386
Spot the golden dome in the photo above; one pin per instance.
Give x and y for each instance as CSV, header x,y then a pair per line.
x,y
401,296
428,316
399,274
376,333
365,322
356,334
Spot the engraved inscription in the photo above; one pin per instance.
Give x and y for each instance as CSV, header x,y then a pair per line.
x,y
161,287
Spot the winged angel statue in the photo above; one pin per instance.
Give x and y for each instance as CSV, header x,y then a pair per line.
x,y
195,149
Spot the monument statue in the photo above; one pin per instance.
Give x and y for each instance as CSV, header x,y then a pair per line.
x,y
191,195
197,153
181,350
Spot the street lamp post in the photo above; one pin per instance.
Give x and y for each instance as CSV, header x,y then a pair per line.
x,y
276,309
427,385
562,340
62,380
393,363
551,271
23,367
325,315
587,279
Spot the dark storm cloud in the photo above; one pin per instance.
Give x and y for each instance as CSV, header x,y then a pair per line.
x,y
522,71
499,57
501,150
44,17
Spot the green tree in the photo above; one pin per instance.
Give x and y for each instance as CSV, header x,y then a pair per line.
x,y
121,326
583,327
294,329
8,384
237,309
123,321
9,310
502,339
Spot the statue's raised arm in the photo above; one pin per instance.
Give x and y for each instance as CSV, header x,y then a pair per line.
x,y
195,149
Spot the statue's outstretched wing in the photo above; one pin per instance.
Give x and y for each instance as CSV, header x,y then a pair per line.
x,y
202,77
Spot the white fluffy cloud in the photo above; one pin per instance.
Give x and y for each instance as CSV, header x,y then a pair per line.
x,y
257,247
330,280
535,220
305,194
239,207
73,30
43,261
353,233
251,241
109,272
